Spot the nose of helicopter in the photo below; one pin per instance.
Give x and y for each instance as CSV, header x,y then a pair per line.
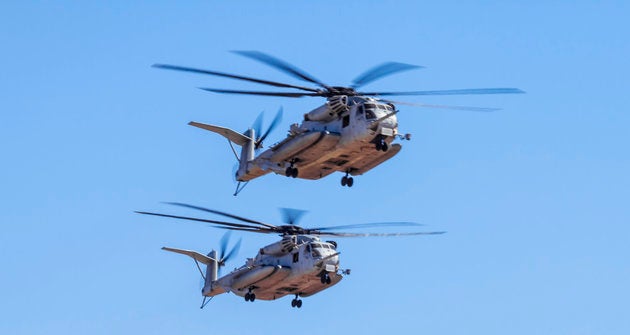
x,y
330,261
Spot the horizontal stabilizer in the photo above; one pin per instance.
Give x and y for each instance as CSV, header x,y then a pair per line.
x,y
230,134
197,256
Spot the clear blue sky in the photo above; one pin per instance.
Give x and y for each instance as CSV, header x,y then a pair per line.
x,y
534,197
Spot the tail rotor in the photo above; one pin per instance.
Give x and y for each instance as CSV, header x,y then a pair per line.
x,y
224,254
257,126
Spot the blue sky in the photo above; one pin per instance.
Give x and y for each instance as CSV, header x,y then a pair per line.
x,y
534,197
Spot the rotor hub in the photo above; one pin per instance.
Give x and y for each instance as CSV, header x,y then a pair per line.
x,y
341,90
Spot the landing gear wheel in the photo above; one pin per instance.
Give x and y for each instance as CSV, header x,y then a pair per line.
x,y
252,297
346,180
328,280
384,147
291,172
247,296
379,146
296,302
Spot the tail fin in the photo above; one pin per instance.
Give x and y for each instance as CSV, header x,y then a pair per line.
x,y
212,273
212,269
246,141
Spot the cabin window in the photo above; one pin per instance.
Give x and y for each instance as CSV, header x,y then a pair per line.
x,y
345,121
369,114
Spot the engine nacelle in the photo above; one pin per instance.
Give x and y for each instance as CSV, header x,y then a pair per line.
x,y
334,106
288,244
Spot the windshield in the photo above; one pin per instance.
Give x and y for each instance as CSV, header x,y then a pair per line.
x,y
369,111
372,111
317,250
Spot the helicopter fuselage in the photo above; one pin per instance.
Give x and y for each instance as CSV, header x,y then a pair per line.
x,y
299,265
351,140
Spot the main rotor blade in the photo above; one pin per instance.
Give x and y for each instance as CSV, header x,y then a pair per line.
x,y
227,224
378,234
381,71
272,126
462,108
369,225
251,230
232,216
233,76
280,65
272,94
451,92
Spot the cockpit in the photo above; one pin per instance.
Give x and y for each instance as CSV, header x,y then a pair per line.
x,y
375,110
320,249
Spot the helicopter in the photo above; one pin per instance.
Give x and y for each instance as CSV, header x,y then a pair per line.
x,y
352,132
300,264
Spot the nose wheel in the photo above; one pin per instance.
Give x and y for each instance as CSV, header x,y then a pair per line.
x,y
347,180
380,144
325,278
296,302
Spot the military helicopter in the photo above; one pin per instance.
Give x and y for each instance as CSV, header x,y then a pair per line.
x,y
300,264
351,133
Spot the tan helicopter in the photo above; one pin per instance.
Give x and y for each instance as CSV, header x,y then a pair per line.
x,y
300,264
351,133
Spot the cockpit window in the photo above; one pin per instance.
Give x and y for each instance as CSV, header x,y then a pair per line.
x,y
316,249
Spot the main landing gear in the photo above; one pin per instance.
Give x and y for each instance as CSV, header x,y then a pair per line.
x,y
291,171
296,302
325,278
347,181
250,296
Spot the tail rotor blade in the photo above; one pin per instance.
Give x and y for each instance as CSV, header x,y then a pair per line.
x,y
291,215
257,125
276,120
223,246
233,251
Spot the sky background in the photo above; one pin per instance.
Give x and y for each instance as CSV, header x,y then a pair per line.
x,y
534,197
